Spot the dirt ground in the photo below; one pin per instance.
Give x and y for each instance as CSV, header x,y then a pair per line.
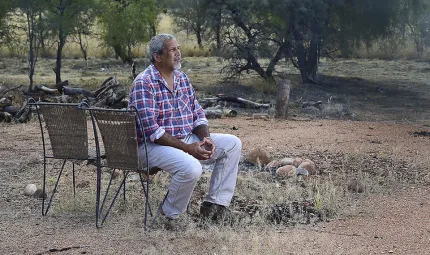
x,y
386,219
395,223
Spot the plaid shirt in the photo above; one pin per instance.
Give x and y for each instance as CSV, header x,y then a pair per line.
x,y
162,110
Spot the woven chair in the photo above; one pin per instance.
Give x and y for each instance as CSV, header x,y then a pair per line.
x,y
64,137
117,129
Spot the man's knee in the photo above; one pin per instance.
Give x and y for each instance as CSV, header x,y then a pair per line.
x,y
236,143
192,170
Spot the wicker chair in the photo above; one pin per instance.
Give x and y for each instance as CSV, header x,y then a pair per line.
x,y
117,129
66,127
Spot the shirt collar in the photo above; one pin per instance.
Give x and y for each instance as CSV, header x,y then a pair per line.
x,y
157,74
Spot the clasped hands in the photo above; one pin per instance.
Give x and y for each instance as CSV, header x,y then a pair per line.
x,y
202,150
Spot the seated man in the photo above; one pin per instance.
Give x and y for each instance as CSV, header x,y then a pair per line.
x,y
177,133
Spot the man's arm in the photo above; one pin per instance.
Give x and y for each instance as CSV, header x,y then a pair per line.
x,y
202,131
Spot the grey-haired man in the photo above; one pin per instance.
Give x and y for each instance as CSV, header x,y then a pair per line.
x,y
177,132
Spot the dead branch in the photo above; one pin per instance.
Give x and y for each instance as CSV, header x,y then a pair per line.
x,y
45,89
4,92
77,91
242,102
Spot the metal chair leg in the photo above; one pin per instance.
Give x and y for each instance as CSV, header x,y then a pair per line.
x,y
74,179
99,210
44,212
159,210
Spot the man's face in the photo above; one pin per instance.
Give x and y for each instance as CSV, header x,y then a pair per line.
x,y
171,57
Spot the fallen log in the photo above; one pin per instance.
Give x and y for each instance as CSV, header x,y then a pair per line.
x,y
100,91
9,90
13,110
77,91
242,101
5,116
215,113
45,90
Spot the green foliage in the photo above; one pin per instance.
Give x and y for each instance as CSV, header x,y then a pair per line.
x,y
305,30
5,9
192,15
127,24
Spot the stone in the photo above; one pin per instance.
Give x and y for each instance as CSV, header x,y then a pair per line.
x,y
275,164
302,171
286,171
286,161
258,157
30,189
308,165
297,162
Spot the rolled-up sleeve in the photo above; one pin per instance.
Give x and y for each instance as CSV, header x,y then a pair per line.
x,y
142,97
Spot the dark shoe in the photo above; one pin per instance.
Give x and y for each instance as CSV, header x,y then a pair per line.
x,y
214,212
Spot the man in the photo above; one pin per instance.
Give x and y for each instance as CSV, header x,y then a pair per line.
x,y
177,133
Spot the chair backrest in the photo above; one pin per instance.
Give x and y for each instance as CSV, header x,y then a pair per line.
x,y
67,129
118,132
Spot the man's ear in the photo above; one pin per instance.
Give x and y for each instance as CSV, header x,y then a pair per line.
x,y
157,57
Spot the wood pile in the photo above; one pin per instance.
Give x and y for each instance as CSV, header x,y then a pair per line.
x,y
110,94
13,107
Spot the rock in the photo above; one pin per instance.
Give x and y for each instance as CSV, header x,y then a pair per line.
x,y
302,171
30,189
355,186
297,162
275,164
308,165
287,161
258,156
286,171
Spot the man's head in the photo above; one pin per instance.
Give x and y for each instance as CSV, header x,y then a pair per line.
x,y
165,53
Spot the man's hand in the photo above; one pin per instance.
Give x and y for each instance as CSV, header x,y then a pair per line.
x,y
198,151
209,146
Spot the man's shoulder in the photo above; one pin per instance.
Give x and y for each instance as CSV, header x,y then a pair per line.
x,y
147,76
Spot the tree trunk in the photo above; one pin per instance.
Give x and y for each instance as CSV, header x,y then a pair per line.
x,y
199,37
312,65
283,99
301,60
31,55
218,30
61,43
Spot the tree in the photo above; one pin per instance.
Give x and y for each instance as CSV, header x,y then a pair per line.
x,y
34,23
126,24
83,31
300,31
63,17
5,9
192,15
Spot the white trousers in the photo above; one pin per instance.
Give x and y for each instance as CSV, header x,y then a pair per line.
x,y
186,170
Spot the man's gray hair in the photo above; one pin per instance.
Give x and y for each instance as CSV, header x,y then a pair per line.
x,y
156,45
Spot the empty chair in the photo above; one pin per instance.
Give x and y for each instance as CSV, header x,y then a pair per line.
x,y
64,137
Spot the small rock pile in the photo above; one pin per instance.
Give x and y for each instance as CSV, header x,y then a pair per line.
x,y
283,168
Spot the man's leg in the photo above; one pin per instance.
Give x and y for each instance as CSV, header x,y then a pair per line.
x,y
185,171
223,179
